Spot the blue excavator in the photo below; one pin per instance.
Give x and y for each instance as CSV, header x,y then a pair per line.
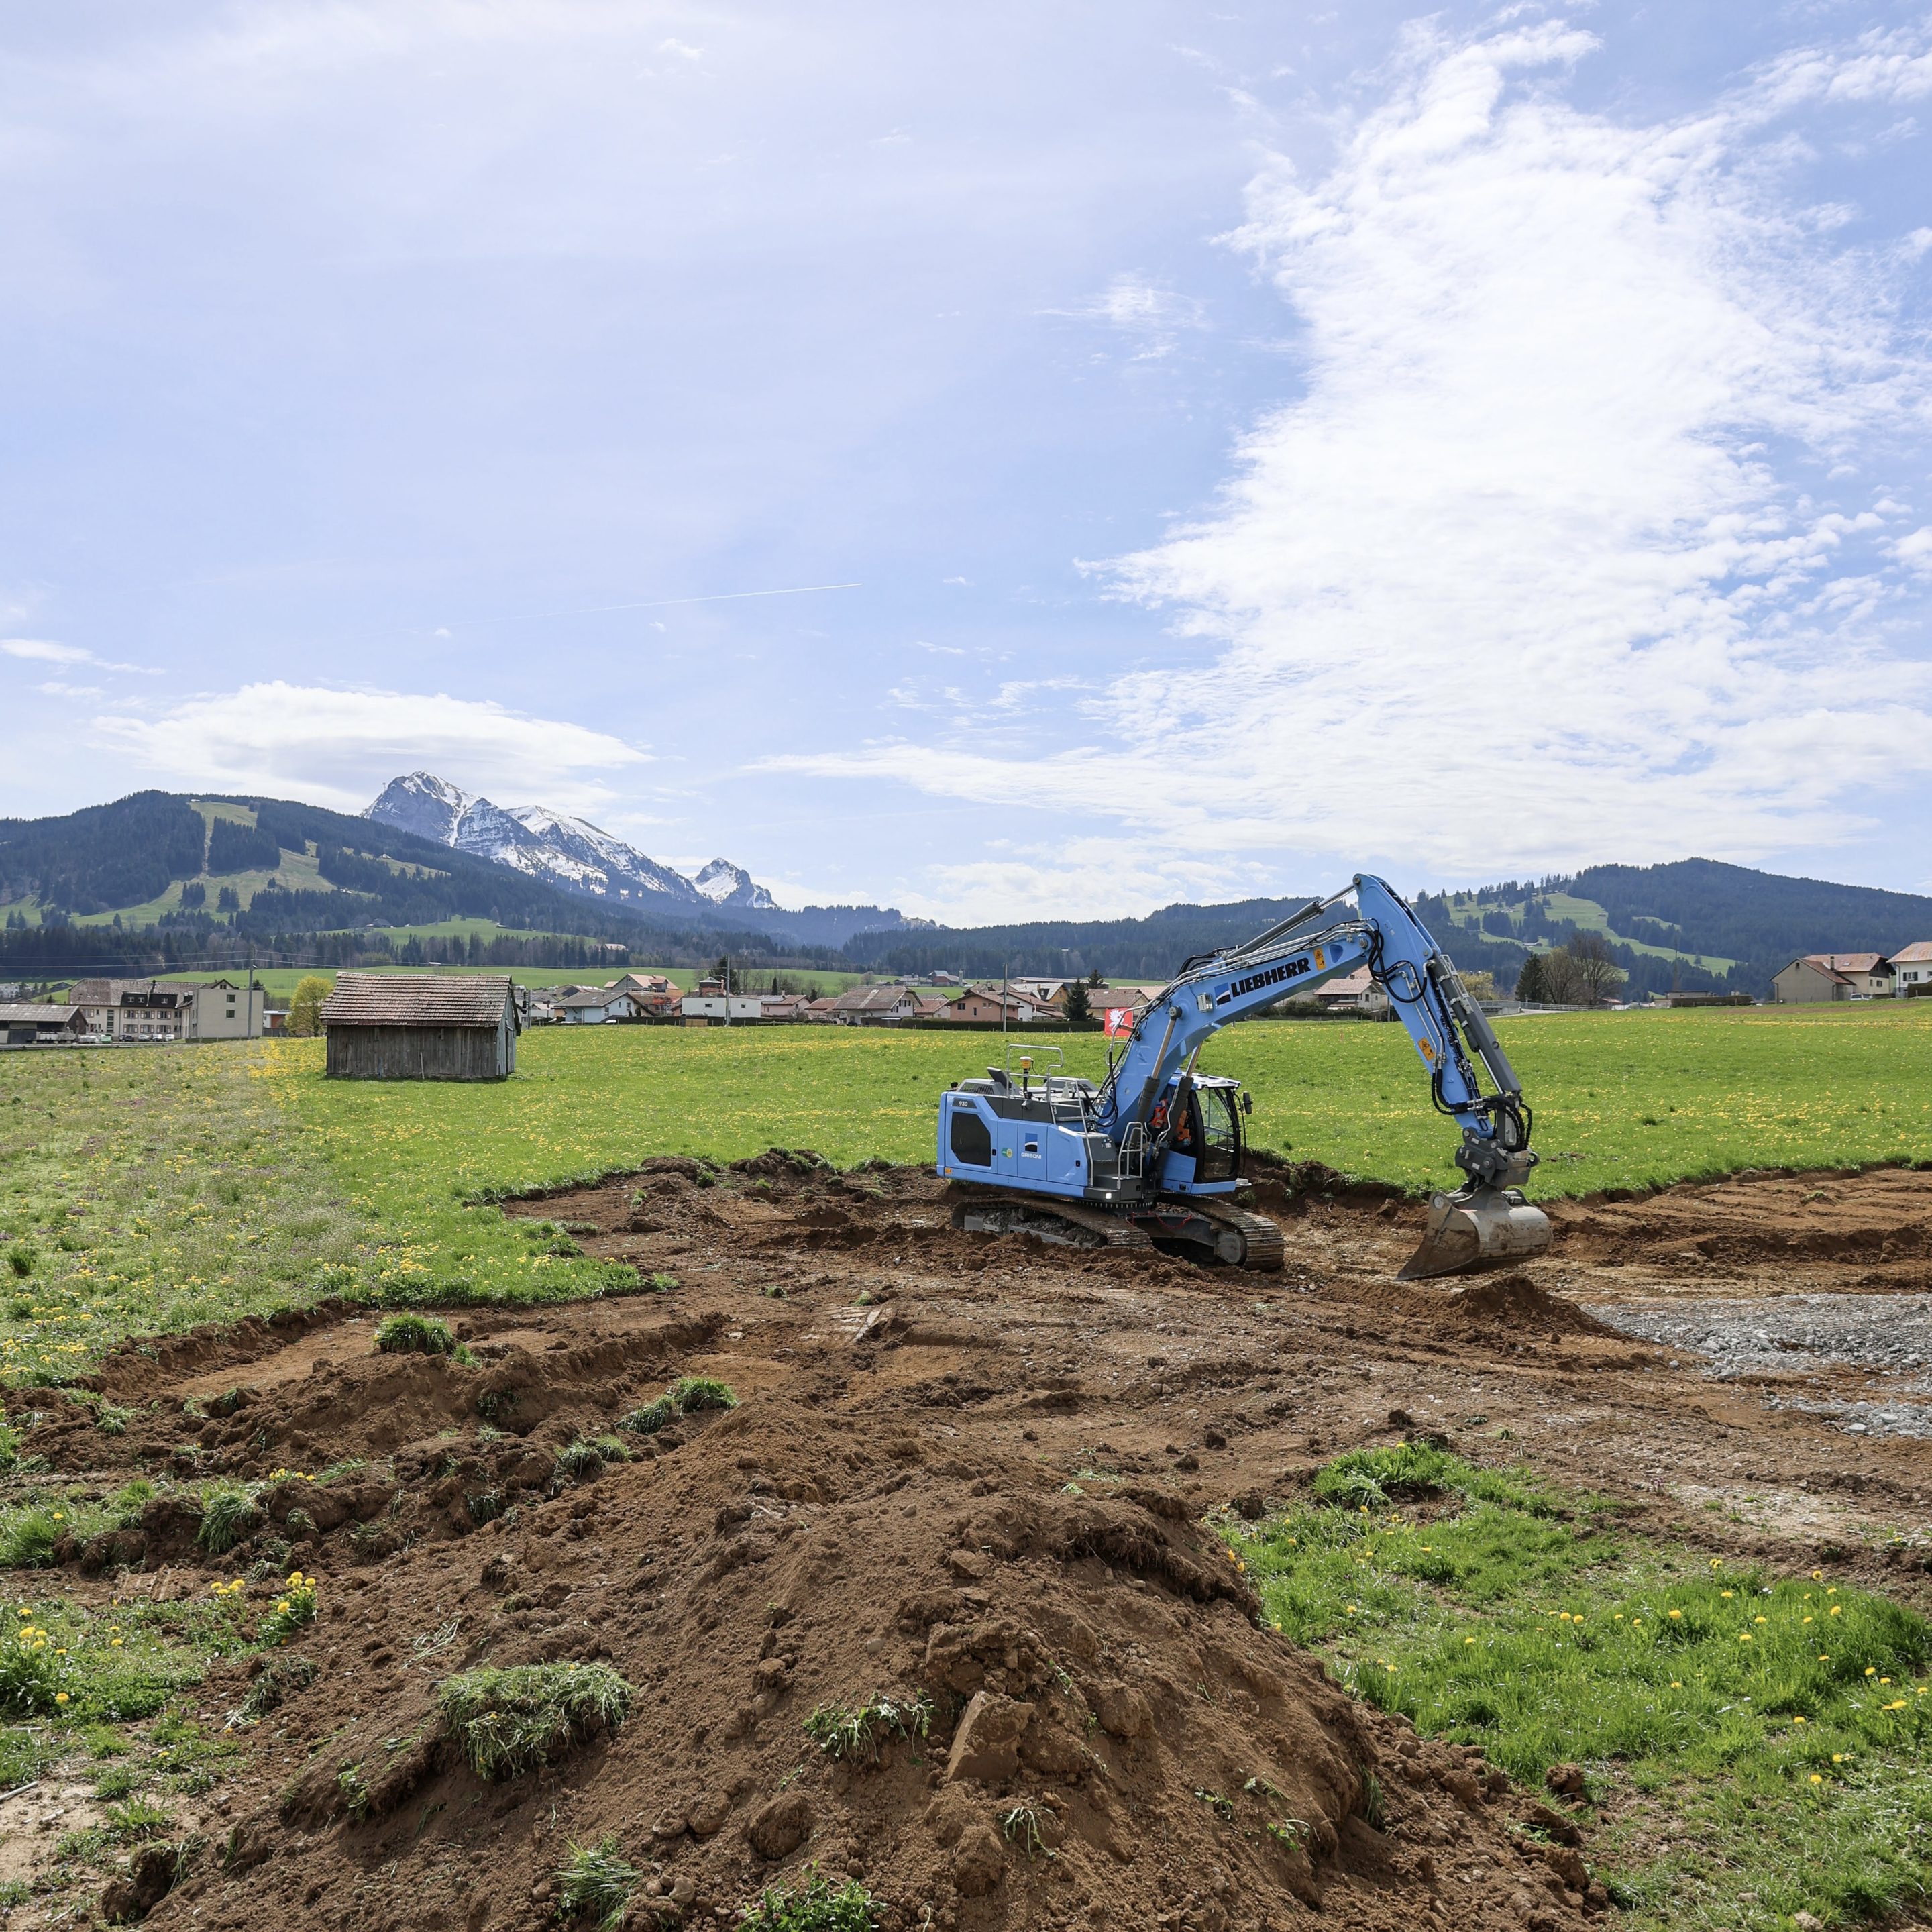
x,y
1152,1156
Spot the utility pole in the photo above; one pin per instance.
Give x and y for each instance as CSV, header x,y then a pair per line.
x,y
728,989
248,1031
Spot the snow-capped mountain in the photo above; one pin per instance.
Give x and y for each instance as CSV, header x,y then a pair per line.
x,y
552,845
725,884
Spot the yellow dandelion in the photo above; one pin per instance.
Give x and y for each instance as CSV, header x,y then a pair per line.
x,y
1676,1616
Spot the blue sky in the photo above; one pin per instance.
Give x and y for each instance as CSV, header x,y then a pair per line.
x,y
1262,446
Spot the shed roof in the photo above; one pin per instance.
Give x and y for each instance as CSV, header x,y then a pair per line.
x,y
23,1014
419,1000
1919,953
1848,962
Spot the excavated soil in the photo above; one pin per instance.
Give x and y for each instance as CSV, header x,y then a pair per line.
x,y
974,1469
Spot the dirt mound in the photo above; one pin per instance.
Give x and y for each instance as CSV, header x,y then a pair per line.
x,y
1514,1301
1076,1676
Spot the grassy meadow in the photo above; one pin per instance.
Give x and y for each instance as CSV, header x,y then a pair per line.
x,y
1754,1746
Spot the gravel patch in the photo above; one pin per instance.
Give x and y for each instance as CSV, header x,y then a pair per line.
x,y
1890,1334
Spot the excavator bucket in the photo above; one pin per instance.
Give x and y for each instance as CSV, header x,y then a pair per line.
x,y
1477,1227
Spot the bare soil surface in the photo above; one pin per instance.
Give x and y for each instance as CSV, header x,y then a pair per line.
x,y
974,1469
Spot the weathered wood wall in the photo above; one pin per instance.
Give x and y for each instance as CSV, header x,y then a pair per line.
x,y
421,1053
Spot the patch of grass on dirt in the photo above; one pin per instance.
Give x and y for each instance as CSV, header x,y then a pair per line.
x,y
694,1394
61,1662
409,1333
843,1731
594,1881
689,1395
508,1721
813,1906
1770,1736
229,1513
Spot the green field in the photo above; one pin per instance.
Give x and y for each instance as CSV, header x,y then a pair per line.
x,y
147,1188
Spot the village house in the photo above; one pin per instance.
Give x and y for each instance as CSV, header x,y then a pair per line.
x,y
1355,992
890,1005
711,1004
819,1011
1868,974
652,995
1834,976
996,1005
1912,966
590,1006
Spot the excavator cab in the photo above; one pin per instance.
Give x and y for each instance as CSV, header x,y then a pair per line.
x,y
1204,1152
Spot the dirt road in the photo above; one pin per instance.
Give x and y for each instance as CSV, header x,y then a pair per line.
x,y
898,1507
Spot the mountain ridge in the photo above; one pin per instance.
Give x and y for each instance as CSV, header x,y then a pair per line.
x,y
534,838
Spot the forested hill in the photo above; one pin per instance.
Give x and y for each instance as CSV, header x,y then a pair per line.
x,y
1760,918
1696,924
154,874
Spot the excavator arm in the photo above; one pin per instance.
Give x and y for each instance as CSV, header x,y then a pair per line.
x,y
1367,923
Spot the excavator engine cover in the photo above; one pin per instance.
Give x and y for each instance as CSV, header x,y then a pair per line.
x,y
1476,1227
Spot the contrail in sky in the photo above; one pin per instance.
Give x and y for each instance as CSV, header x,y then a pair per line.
x,y
666,603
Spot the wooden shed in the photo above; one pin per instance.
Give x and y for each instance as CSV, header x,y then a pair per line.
x,y
414,1026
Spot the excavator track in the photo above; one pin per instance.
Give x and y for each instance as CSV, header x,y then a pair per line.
x,y
989,1213
1243,1240
1264,1250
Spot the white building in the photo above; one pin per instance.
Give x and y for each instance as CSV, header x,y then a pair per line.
x,y
1912,966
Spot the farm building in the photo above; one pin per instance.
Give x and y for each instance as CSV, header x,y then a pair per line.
x,y
31,1025
409,1026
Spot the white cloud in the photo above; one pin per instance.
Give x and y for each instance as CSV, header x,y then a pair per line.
x,y
54,688
1532,574
340,747
43,650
